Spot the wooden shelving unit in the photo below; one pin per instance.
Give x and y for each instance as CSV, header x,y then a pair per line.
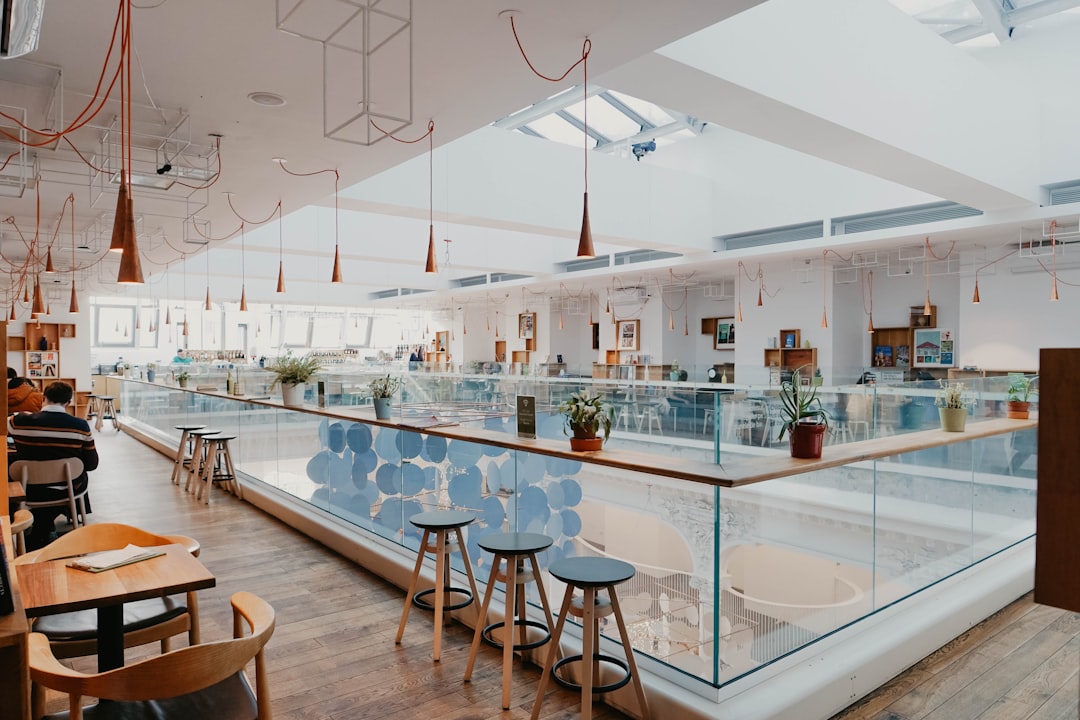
x,y
895,337
42,365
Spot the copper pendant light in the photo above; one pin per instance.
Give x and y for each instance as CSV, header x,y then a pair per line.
x,y
671,320
585,244
49,269
209,306
926,306
975,298
281,276
12,316
1053,290
243,299
824,319
168,315
431,266
25,292
759,296
870,325
120,220
130,267
336,277
39,302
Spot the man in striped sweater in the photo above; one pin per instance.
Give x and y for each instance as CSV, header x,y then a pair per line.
x,y
52,434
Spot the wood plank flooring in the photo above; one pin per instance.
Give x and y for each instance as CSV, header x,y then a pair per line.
x,y
333,655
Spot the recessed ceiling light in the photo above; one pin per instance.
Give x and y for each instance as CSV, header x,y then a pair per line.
x,y
268,99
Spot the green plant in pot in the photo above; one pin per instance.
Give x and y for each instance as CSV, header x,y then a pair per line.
x,y
382,390
292,374
953,404
584,417
1021,388
151,372
805,420
182,378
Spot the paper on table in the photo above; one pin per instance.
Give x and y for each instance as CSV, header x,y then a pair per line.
x,y
109,559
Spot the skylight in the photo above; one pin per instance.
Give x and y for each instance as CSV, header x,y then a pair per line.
x,y
959,21
617,122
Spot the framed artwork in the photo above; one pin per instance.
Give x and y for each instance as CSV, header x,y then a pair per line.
x,y
725,334
883,356
527,326
903,356
934,347
627,336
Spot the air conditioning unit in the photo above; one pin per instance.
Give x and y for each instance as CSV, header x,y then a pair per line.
x,y
636,294
20,26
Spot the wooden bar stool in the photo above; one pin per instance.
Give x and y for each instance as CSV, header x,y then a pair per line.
x,y
198,458
92,410
106,411
218,467
514,549
591,574
439,523
183,452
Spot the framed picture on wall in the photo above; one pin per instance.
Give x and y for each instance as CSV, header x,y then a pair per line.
x,y
628,336
725,333
934,347
527,326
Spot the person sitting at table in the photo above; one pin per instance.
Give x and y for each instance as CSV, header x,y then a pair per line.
x,y
52,434
22,395
181,356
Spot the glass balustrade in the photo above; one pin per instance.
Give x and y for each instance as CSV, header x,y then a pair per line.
x,y
729,579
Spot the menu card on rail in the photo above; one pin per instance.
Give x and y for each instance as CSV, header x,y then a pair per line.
x,y
526,416
109,559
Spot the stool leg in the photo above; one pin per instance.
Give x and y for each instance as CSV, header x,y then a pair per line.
x,y
542,685
588,651
98,423
179,457
508,629
230,469
468,565
442,581
481,621
412,587
638,689
543,593
213,454
196,459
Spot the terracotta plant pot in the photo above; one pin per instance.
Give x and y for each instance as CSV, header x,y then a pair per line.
x,y
1018,409
585,440
586,444
806,439
953,419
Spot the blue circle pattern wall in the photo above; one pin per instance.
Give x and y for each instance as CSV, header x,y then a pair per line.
x,y
377,477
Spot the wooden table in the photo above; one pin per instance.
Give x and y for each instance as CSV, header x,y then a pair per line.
x,y
51,588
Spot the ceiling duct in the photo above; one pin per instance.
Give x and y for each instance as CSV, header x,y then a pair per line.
x,y
770,236
20,26
901,217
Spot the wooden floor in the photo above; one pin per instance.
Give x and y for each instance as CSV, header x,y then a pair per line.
x,y
333,655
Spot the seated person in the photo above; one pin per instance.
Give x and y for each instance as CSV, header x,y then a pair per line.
x,y
23,396
52,434
181,356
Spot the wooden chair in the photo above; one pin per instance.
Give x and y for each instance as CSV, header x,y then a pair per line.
x,y
153,620
22,521
53,472
178,685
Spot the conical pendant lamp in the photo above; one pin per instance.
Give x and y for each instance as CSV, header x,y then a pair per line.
x,y
130,267
280,276
12,316
26,292
168,316
243,299
585,244
336,277
49,269
120,221
209,306
431,266
39,301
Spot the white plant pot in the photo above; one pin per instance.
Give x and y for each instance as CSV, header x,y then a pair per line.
x,y
292,394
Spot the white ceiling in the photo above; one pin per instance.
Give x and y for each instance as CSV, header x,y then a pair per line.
x,y
851,88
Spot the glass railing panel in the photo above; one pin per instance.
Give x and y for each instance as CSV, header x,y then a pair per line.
x,y
1004,491
796,563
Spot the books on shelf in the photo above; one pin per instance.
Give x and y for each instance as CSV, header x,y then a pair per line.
x,y
883,356
109,559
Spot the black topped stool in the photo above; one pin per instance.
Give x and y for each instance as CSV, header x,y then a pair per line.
x,y
218,467
106,411
198,458
183,452
591,574
439,523
514,548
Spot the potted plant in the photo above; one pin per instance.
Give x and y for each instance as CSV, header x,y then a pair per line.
x,y
952,404
674,373
151,371
292,373
182,377
1021,388
382,390
805,420
585,416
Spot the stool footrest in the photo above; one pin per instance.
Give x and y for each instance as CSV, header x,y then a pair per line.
x,y
420,598
487,638
570,685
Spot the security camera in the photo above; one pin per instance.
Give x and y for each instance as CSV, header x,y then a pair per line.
x,y
641,149
164,168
